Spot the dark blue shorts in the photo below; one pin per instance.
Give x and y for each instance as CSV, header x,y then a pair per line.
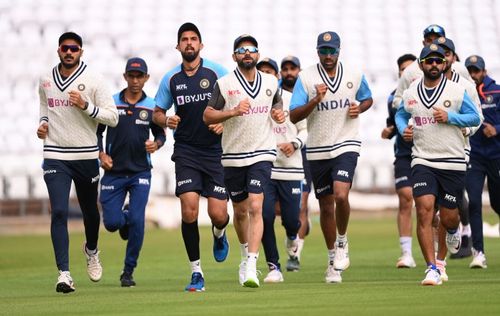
x,y
402,172
249,179
307,182
325,172
446,185
195,172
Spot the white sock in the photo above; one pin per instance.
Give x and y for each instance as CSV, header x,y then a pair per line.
x,y
244,251
405,243
341,238
441,262
300,245
90,252
252,259
219,232
466,230
331,255
196,266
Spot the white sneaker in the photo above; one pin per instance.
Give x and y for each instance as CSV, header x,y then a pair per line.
x,y
251,279
432,277
442,270
94,268
242,271
65,282
341,260
478,260
406,261
274,276
453,241
332,275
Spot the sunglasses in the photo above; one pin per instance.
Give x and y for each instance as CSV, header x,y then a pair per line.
x,y
328,51
431,60
434,29
72,48
243,49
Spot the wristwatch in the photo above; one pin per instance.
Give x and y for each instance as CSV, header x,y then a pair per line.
x,y
295,145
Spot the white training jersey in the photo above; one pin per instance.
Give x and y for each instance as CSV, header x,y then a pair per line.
x,y
331,132
289,168
72,131
437,145
249,138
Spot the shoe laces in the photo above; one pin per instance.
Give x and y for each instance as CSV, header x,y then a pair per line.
x,y
93,260
196,278
64,276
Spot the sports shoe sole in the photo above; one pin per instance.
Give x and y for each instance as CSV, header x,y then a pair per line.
x,y
64,288
250,283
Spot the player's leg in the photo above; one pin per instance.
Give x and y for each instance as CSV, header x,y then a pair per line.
x,y
112,197
138,199
268,235
290,193
58,181
215,192
474,183
86,187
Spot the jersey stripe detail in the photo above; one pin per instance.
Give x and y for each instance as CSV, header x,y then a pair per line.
x,y
428,102
252,91
61,83
333,85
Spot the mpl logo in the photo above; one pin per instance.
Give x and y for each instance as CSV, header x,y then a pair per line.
x,y
450,198
122,112
343,173
233,92
255,182
95,179
296,191
180,87
412,102
143,181
219,189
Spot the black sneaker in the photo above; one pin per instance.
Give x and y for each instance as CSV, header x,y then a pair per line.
x,y
465,249
124,229
127,279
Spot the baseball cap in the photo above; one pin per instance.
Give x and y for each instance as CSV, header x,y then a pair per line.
x,y
71,35
270,62
434,29
136,64
445,43
431,49
475,61
328,39
188,26
243,38
290,59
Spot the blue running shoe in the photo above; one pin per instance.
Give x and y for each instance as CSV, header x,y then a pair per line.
x,y
221,247
197,283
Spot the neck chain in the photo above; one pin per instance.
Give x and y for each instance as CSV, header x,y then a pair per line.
x,y
192,69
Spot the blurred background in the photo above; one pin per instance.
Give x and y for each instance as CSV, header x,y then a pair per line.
x,y
374,33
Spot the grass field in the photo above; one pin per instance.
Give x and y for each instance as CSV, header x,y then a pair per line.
x,y
371,286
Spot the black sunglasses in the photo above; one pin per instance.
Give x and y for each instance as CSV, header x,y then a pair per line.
x,y
72,48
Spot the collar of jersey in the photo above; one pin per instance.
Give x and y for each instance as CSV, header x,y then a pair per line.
x,y
251,90
61,83
332,84
436,94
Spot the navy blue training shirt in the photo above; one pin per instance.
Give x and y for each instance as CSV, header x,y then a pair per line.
x,y
125,142
190,96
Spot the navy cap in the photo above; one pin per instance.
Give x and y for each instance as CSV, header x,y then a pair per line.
x,y
188,26
71,35
270,62
328,39
431,49
475,61
244,38
434,29
445,43
290,59
136,64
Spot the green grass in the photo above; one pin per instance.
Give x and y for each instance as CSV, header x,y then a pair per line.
x,y
371,286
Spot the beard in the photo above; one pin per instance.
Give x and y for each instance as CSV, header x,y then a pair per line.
x,y
190,56
289,81
69,65
246,64
432,73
